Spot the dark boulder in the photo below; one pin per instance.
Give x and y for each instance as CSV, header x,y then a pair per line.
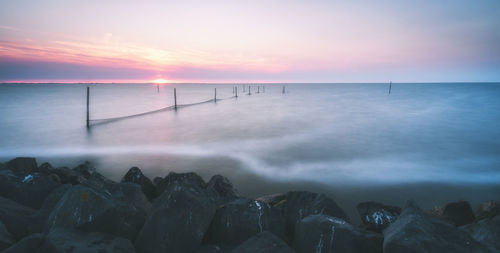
x,y
66,240
295,205
376,216
486,231
16,217
240,219
31,244
222,187
119,210
134,175
192,179
265,242
322,233
459,213
414,231
68,176
22,165
178,221
488,209
85,169
5,237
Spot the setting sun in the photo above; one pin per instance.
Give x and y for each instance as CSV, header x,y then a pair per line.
x,y
159,81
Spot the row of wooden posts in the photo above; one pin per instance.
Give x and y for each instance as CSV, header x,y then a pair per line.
x,y
235,92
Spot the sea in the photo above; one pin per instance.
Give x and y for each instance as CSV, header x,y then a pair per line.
x,y
432,142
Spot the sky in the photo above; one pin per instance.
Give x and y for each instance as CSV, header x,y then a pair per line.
x,y
249,41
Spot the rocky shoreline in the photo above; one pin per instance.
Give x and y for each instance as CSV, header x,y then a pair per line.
x,y
54,210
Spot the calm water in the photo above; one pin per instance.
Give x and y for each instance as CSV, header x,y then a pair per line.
x,y
331,134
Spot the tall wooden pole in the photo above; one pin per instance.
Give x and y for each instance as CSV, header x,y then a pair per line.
x,y
249,88
158,88
215,94
175,99
390,87
283,89
88,95
236,90
258,89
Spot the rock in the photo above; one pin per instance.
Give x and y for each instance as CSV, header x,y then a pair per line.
x,y
486,231
488,209
120,210
31,243
213,249
22,165
29,190
322,233
5,237
45,168
16,217
86,169
295,205
178,221
68,176
415,231
222,187
134,175
157,180
375,216
459,213
191,178
238,220
265,242
64,240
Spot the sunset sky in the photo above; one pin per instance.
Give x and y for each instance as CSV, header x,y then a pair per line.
x,y
249,41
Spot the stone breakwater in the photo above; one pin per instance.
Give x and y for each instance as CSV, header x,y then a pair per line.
x,y
54,210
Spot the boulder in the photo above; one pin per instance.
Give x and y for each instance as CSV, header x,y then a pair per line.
x,y
29,190
31,243
414,231
486,231
191,178
178,221
488,209
459,213
120,210
295,205
265,242
134,175
5,237
222,187
85,169
67,240
16,217
376,216
322,233
240,219
22,166
68,176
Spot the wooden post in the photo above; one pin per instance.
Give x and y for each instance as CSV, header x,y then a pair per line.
x,y
88,94
263,89
158,88
390,87
175,99
236,90
258,89
249,88
243,88
283,89
215,95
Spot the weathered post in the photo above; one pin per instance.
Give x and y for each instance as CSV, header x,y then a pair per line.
x,y
157,88
263,89
283,89
236,91
215,95
175,99
390,87
249,88
258,89
88,94
243,88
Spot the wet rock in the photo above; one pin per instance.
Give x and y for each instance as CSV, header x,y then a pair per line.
x,y
376,216
22,165
322,233
31,243
16,218
178,221
488,209
45,168
415,231
64,240
222,187
238,220
68,176
265,242
5,237
295,205
486,231
134,175
29,190
119,210
192,179
86,169
459,213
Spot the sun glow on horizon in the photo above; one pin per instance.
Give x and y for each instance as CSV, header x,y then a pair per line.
x,y
159,81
